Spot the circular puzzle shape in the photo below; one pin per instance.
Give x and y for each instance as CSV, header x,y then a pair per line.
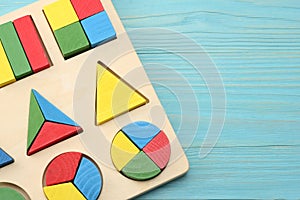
x,y
72,175
12,192
140,151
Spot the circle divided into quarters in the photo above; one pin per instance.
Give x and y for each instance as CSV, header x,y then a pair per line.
x,y
140,151
72,175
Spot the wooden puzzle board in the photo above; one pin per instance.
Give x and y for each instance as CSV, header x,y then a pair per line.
x,y
64,84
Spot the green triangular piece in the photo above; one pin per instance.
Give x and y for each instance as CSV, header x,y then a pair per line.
x,y
141,167
36,120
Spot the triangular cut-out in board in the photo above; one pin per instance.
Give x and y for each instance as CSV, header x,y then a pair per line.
x,y
5,159
50,134
114,96
52,113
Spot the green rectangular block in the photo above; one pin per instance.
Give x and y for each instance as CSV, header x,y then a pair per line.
x,y
14,51
72,40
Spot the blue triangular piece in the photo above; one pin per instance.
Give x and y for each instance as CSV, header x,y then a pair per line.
x,y
51,113
5,159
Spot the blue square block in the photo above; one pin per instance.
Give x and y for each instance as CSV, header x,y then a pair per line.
x,y
98,29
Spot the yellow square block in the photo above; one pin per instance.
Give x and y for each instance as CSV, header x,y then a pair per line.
x,y
6,73
60,14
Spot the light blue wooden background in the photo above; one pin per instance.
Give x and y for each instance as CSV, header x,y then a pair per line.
x,y
256,47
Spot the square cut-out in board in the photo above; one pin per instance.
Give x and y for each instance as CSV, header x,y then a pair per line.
x,y
72,40
87,8
98,29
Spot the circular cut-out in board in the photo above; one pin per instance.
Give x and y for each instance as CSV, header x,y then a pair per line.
x,y
9,191
72,175
140,151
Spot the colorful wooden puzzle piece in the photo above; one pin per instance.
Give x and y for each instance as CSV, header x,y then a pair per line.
x,y
85,178
79,25
87,8
88,179
5,159
122,150
114,95
141,168
98,29
72,40
31,43
14,51
141,133
6,73
21,50
47,125
159,150
60,14
63,168
10,194
134,162
62,192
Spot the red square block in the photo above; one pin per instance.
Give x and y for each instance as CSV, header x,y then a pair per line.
x,y
87,8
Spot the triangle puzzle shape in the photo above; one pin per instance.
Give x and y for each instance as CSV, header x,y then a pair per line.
x,y
5,159
47,125
114,96
50,112
36,120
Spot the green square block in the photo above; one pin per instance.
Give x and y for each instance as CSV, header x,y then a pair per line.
x,y
72,40
14,50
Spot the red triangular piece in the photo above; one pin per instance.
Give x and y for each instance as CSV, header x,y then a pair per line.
x,y
63,168
50,134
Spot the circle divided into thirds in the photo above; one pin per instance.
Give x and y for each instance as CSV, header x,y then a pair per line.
x,y
140,151
72,175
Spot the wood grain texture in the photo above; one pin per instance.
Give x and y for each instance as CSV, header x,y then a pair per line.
x,y
256,47
62,169
88,179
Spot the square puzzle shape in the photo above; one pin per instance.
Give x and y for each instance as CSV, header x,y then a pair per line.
x,y
87,8
60,14
98,29
72,40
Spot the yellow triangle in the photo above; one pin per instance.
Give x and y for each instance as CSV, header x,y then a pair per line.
x,y
62,192
122,150
114,95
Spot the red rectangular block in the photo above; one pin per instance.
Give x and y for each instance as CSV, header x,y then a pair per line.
x,y
32,43
87,8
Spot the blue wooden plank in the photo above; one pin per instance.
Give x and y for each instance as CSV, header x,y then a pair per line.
x,y
88,179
